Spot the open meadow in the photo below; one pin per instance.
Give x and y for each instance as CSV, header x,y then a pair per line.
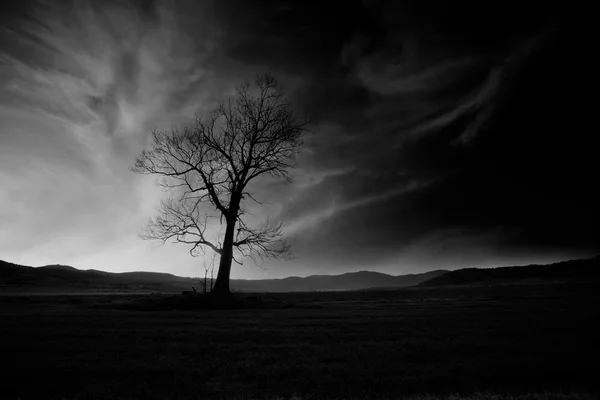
x,y
512,342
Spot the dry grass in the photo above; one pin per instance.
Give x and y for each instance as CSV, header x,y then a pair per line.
x,y
477,396
469,343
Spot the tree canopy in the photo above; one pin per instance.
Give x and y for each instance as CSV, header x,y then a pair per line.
x,y
211,163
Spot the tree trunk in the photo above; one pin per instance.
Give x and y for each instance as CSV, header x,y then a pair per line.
x,y
222,282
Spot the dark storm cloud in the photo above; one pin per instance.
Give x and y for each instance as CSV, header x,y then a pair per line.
x,y
449,133
445,97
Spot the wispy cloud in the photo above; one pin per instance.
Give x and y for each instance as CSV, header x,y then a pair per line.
x,y
487,98
404,78
82,83
74,119
313,218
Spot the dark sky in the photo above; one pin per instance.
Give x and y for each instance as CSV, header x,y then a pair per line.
x,y
450,134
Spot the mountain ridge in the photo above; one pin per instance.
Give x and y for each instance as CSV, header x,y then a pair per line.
x,y
571,270
53,278
66,278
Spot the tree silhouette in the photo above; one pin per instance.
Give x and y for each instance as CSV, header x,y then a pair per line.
x,y
256,133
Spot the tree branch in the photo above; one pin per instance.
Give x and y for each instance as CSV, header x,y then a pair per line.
x,y
211,164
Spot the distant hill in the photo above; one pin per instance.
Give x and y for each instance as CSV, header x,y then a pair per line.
x,y
347,281
574,270
58,266
62,278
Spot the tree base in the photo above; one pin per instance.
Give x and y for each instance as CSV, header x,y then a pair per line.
x,y
218,292
221,300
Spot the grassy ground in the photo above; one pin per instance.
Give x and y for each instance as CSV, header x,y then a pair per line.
x,y
514,343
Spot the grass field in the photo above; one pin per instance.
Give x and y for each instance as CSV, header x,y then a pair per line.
x,y
535,342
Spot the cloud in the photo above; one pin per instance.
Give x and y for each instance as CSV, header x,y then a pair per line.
x,y
430,121
74,119
314,218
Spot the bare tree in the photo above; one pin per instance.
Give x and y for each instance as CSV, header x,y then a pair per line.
x,y
207,283
254,134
